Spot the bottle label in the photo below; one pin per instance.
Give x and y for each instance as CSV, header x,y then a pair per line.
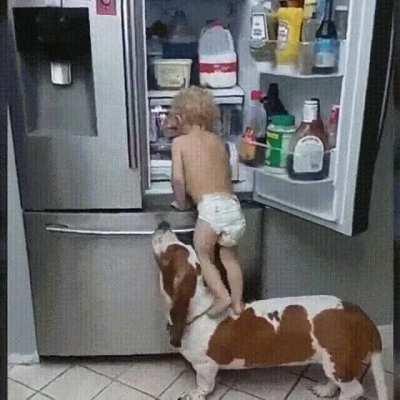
x,y
277,149
259,27
207,68
310,112
308,155
326,53
283,35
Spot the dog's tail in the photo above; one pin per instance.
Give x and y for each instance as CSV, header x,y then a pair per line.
x,y
379,376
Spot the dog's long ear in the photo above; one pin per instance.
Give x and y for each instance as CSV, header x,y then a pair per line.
x,y
183,293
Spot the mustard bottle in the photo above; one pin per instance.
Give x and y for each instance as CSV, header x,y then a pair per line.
x,y
289,30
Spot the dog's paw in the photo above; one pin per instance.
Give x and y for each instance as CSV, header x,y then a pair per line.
x,y
325,390
192,395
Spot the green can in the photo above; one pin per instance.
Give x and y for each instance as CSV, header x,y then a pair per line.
x,y
279,133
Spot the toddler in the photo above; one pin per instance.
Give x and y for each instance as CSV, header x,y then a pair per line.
x,y
201,175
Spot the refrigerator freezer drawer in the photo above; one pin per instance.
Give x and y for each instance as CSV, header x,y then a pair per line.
x,y
95,283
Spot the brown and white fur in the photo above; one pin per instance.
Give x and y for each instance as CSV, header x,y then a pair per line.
x,y
273,332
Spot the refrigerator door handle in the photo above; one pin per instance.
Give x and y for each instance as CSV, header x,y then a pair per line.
x,y
390,70
396,55
59,228
129,56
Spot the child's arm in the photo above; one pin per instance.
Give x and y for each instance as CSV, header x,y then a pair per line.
x,y
178,177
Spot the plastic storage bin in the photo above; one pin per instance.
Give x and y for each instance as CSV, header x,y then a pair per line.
x,y
217,58
172,73
181,42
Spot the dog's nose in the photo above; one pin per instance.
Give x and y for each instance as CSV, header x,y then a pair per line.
x,y
163,226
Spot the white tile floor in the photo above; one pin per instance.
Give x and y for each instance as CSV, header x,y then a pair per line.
x,y
164,378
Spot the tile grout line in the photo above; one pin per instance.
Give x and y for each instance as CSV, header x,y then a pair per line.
x,y
99,373
102,390
42,394
248,393
113,380
138,390
171,383
56,377
293,387
225,393
23,384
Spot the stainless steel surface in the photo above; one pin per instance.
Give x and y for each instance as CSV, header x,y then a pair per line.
x,y
68,170
99,295
139,73
36,3
81,231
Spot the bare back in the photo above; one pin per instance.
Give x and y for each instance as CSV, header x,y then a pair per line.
x,y
205,164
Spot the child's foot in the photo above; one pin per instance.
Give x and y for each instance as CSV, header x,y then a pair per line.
x,y
238,308
219,306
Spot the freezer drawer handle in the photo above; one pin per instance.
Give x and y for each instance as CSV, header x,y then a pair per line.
x,y
56,228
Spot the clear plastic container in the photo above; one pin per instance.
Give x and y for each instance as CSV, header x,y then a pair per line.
x,y
341,15
217,57
172,73
181,43
263,32
306,58
257,116
179,29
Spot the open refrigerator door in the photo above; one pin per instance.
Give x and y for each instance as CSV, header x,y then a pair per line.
x,y
340,199
351,97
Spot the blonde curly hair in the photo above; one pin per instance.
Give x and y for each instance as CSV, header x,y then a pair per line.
x,y
196,106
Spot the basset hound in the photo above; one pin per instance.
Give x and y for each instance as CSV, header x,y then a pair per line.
x,y
274,332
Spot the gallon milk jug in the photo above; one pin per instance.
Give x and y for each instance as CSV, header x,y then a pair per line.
x,y
217,57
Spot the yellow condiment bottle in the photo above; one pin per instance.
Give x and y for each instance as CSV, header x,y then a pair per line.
x,y
289,30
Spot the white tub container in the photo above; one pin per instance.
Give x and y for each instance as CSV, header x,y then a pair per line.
x,y
217,58
172,73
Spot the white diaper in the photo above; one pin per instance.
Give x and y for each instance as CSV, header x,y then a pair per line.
x,y
224,215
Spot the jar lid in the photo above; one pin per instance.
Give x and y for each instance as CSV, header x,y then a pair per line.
x,y
284,120
257,95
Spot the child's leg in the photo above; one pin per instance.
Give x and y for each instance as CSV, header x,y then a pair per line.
x,y
204,240
230,260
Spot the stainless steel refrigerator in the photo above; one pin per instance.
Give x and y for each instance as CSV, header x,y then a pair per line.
x,y
94,169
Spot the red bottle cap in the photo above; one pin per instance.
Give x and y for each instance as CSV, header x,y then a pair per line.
x,y
257,95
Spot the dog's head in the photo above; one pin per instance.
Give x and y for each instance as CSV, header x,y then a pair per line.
x,y
178,278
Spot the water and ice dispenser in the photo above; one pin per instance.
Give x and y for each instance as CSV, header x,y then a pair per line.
x,y
74,104
54,49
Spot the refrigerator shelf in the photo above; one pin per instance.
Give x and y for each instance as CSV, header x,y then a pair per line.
x,y
312,197
285,177
232,95
269,69
266,68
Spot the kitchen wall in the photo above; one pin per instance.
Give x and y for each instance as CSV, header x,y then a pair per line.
x,y
21,333
302,258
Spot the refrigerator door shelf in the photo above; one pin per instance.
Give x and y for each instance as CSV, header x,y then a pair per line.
x,y
314,198
341,202
270,69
